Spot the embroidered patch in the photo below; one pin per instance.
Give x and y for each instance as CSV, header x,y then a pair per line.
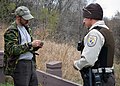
x,y
91,41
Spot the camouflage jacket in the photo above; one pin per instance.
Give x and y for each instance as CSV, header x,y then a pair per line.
x,y
13,49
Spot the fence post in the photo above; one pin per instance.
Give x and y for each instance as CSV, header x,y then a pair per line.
x,y
54,68
2,76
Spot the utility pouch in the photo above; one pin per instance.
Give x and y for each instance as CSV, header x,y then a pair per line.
x,y
97,79
85,76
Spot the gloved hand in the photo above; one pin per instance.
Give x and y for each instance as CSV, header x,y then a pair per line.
x,y
75,66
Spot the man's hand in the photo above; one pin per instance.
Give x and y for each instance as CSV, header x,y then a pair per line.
x,y
37,43
41,44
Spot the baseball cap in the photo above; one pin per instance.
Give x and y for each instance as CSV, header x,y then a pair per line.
x,y
24,12
93,11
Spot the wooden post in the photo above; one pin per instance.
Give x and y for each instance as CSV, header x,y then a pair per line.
x,y
2,76
54,68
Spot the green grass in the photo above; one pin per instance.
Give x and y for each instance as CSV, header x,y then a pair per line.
x,y
6,84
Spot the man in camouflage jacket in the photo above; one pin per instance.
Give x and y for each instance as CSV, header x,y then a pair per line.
x,y
19,50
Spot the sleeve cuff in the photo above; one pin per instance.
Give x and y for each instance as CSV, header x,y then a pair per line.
x,y
30,45
75,65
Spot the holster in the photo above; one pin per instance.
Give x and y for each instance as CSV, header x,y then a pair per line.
x,y
97,79
105,76
85,76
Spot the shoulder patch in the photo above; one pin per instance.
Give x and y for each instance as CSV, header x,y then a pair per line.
x,y
91,40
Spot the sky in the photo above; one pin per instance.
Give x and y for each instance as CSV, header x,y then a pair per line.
x,y
110,7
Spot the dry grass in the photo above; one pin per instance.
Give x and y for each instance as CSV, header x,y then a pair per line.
x,y
59,52
117,74
1,38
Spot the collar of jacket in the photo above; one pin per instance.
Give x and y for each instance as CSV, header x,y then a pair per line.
x,y
99,23
15,24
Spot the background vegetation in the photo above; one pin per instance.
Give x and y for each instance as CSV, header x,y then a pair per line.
x,y
59,24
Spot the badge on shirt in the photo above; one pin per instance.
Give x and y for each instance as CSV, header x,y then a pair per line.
x,y
91,40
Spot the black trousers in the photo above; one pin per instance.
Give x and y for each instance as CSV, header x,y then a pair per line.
x,y
85,76
25,74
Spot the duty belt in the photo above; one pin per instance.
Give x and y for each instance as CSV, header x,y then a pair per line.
x,y
100,70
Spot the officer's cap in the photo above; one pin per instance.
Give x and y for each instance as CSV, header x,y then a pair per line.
x,y
94,11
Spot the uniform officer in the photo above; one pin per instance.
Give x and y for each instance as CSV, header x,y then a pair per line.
x,y
97,49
